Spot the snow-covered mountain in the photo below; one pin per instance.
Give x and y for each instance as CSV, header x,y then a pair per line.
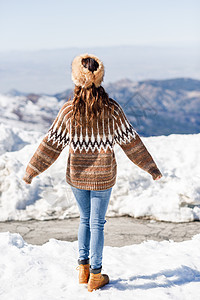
x,y
157,107
154,107
29,112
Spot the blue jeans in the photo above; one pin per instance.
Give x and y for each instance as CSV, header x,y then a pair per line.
x,y
92,206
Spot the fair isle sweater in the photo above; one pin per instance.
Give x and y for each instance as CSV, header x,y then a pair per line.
x,y
91,163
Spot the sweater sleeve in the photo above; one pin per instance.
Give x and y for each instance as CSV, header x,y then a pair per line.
x,y
131,143
56,139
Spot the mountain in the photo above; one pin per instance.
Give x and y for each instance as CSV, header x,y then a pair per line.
x,y
154,107
157,107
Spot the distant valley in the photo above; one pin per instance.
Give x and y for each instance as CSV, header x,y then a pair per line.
x,y
49,71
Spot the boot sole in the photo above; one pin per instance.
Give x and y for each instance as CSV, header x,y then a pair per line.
x,y
94,289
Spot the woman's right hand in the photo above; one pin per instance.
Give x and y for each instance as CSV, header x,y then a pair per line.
x,y
158,177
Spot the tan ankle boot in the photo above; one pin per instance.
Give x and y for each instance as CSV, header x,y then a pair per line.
x,y
84,273
96,281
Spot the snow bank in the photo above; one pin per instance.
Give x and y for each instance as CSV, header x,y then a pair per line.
x,y
176,197
151,270
14,139
31,112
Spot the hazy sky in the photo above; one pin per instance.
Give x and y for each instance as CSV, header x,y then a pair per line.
x,y
45,24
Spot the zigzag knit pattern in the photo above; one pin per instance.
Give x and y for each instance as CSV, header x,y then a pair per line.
x,y
58,138
122,133
91,162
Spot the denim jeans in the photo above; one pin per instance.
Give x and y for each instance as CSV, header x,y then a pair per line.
x,y
92,206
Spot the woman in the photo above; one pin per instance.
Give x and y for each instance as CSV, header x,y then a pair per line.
x,y
91,123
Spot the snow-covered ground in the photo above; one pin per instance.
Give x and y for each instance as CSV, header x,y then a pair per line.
x,y
151,270
175,197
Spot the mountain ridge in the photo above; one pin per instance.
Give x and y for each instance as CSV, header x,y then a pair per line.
x,y
154,107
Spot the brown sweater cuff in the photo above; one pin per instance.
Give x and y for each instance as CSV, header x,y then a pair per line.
x,y
154,172
27,178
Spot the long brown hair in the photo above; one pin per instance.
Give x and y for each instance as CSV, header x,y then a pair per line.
x,y
90,102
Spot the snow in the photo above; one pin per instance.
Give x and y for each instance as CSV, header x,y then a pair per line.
x,y
175,197
13,139
151,270
30,112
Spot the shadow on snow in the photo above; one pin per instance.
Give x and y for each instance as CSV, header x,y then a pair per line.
x,y
165,278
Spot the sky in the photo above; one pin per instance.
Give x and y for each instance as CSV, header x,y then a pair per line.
x,y
51,24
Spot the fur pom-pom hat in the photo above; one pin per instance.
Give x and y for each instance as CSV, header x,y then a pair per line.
x,y
82,76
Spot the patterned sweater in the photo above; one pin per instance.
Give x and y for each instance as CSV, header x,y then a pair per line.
x,y
91,163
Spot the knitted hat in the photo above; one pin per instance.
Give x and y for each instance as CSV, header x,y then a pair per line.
x,y
82,76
